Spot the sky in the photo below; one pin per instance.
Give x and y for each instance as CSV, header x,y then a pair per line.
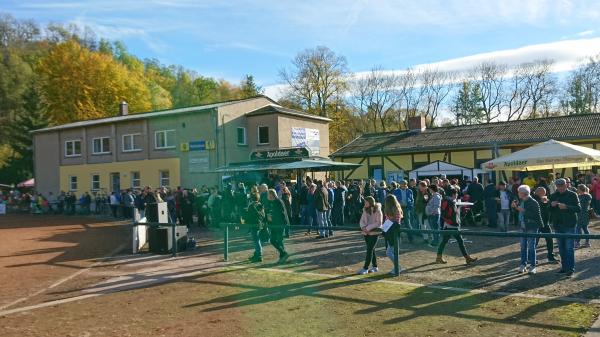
x,y
230,38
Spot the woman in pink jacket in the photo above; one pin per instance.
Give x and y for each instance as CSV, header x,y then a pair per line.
x,y
370,224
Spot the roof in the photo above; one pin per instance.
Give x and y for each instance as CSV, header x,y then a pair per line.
x,y
314,164
274,108
149,114
566,128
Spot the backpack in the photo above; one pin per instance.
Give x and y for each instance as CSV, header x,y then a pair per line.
x,y
447,212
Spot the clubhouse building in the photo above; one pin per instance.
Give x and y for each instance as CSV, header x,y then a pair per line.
x,y
459,151
176,147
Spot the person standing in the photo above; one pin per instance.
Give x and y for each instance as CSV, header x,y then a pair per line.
x,y
451,221
475,192
583,220
530,220
405,197
433,213
370,225
490,200
542,199
504,199
564,207
114,204
330,201
393,213
277,220
339,202
256,220
286,197
421,199
322,206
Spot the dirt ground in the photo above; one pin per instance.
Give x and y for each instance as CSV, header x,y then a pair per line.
x,y
57,280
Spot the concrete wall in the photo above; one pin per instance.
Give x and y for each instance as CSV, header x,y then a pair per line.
x,y
269,120
47,156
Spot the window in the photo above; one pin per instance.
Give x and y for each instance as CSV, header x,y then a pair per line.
x,y
72,183
101,145
241,136
131,143
163,178
263,135
95,182
164,139
73,148
135,179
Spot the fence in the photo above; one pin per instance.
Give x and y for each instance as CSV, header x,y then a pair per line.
x,y
396,243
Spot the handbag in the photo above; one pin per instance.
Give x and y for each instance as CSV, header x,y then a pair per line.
x,y
264,234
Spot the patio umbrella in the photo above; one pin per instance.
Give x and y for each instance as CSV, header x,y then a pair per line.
x,y
26,183
548,155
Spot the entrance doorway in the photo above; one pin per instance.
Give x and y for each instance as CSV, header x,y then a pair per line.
x,y
115,182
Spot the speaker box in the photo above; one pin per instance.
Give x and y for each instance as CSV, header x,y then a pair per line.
x,y
160,239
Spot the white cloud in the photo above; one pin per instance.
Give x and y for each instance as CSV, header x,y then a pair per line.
x,y
567,55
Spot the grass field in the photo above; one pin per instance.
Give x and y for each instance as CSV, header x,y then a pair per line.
x,y
64,285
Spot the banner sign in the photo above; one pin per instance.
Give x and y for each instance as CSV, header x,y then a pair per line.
x,y
280,153
309,138
198,162
198,145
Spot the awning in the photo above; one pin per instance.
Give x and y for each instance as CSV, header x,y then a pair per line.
x,y
545,156
27,183
314,164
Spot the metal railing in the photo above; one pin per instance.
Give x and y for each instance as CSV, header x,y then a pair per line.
x,y
396,241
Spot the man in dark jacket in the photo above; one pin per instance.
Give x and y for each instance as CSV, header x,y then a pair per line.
x,y
475,192
339,202
277,220
322,206
490,193
543,201
530,220
564,207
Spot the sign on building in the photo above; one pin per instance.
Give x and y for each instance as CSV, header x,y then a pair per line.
x,y
280,153
309,138
198,162
198,145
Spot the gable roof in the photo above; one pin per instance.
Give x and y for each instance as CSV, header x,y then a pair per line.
x,y
275,108
475,136
149,114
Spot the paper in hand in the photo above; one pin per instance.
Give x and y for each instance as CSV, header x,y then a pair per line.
x,y
386,225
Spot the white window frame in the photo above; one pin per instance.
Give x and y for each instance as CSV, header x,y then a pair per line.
x,y
71,189
132,136
161,179
139,179
72,141
245,142
165,132
92,182
258,135
102,149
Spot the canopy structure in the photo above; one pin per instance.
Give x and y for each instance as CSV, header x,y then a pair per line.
x,y
548,155
440,167
313,164
27,183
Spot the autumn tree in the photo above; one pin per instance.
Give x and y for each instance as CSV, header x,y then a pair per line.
x,y
316,78
374,96
79,84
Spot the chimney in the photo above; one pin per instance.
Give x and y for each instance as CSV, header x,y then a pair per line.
x,y
416,123
123,109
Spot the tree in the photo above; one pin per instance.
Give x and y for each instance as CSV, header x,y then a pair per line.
x,y
436,85
79,84
375,96
411,93
582,90
490,78
467,107
19,164
249,88
317,76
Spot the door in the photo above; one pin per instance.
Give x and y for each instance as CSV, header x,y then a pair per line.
x,y
376,173
115,182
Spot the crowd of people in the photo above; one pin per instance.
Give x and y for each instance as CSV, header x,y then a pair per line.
x,y
542,204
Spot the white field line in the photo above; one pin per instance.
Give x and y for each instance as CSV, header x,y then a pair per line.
x,y
135,284
63,280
